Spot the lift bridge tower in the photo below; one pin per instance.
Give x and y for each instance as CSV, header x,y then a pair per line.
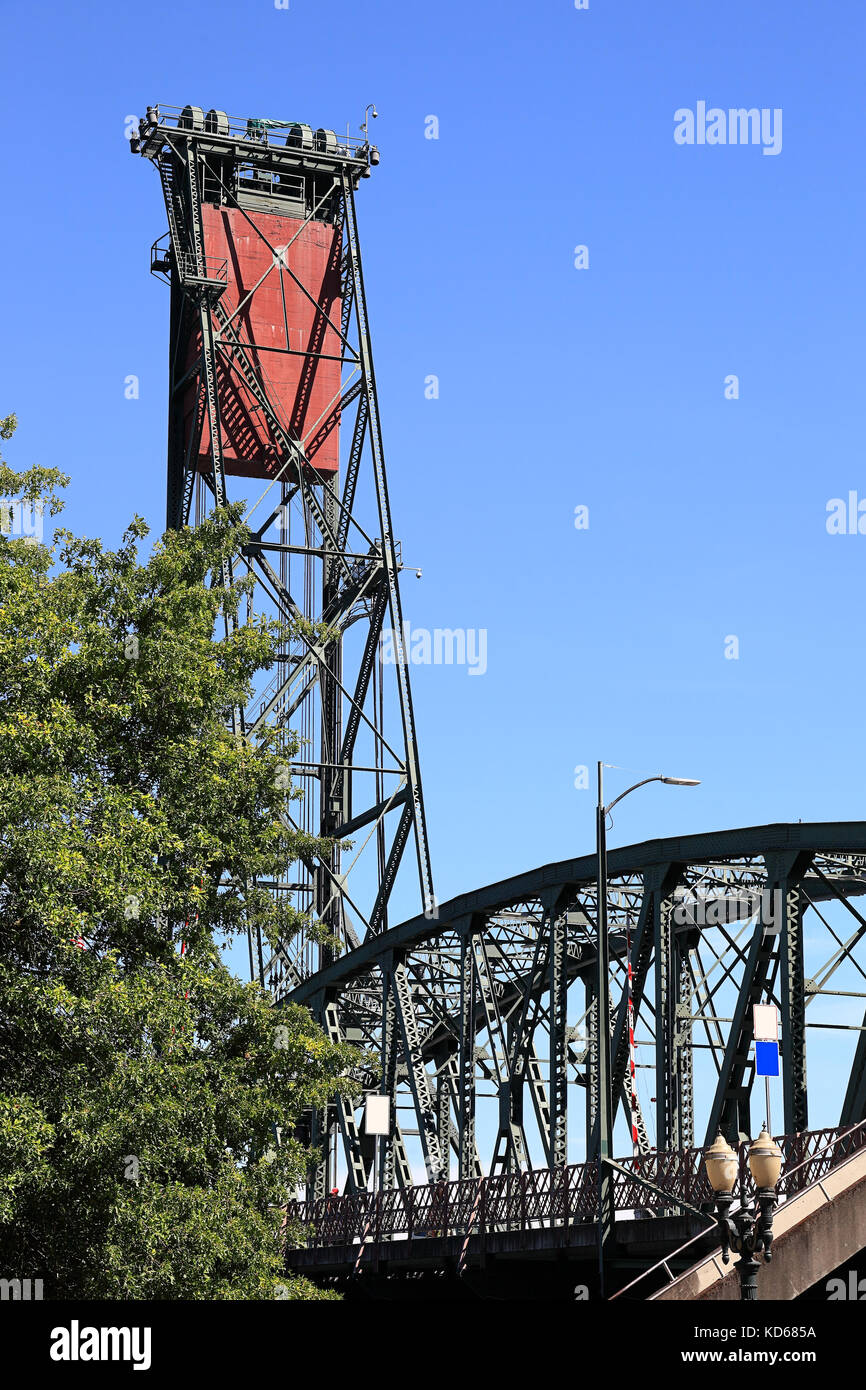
x,y
272,398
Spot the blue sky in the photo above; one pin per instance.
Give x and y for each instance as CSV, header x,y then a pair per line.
x,y
559,387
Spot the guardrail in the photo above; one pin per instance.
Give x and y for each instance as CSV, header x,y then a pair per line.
x,y
551,1198
256,130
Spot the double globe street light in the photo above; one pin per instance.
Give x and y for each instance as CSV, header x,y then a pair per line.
x,y
750,1230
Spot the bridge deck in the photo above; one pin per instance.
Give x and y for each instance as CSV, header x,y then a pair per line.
x,y
661,1200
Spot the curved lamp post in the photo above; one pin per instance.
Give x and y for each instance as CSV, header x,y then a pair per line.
x,y
605,1105
750,1230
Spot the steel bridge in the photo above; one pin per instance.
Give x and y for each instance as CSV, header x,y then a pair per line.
x,y
481,1027
478,1020
494,1001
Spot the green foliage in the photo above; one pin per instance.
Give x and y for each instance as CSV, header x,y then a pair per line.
x,y
33,484
148,1098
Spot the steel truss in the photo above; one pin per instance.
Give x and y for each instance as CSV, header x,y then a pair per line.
x,y
322,546
482,1025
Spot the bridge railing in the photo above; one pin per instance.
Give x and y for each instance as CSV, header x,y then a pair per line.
x,y
553,1197
810,1155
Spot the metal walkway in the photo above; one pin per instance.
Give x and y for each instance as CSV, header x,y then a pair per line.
x,y
457,1228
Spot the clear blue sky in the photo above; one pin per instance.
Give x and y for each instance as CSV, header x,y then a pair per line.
x,y
558,386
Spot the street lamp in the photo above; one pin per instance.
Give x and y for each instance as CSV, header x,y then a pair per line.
x,y
605,1106
750,1230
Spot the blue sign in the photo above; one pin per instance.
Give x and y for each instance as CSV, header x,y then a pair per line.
x,y
766,1059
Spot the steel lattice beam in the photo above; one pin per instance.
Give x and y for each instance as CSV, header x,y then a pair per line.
x,y
484,1004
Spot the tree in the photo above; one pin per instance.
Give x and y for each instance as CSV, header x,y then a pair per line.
x,y
149,1098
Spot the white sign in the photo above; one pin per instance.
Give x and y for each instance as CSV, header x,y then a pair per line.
x,y
377,1114
766,1023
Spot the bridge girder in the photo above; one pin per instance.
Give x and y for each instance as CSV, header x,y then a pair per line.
x,y
489,1004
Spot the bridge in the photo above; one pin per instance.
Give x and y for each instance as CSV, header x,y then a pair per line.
x,y
479,1025
486,1024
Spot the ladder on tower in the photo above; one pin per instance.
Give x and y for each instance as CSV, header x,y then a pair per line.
x,y
174,208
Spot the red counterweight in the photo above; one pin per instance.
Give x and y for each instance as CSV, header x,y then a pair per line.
x,y
283,302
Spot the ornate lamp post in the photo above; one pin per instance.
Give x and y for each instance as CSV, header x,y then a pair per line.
x,y
750,1230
